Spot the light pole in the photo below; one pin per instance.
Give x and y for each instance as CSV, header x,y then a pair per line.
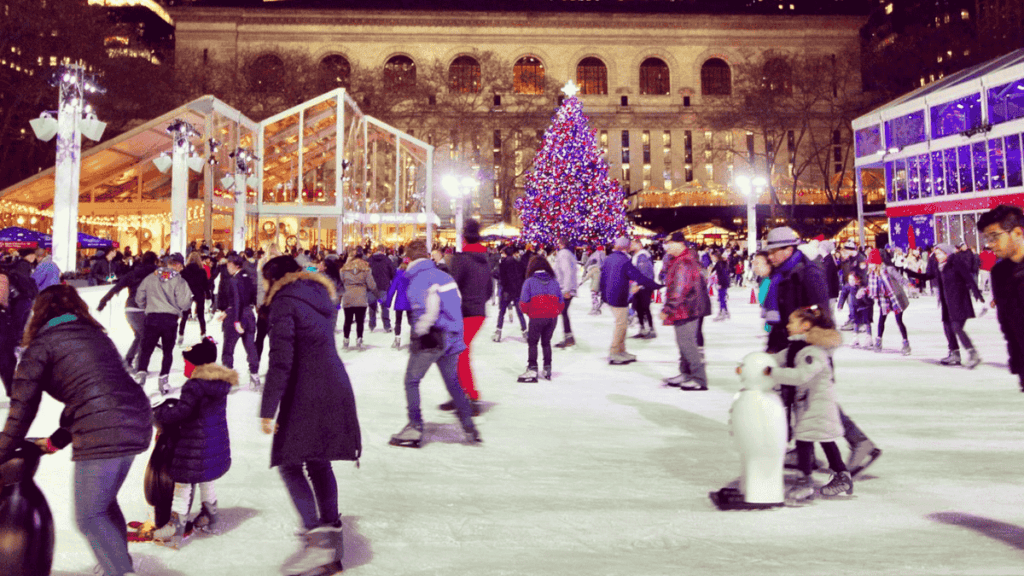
x,y
750,188
458,189
74,118
245,166
181,159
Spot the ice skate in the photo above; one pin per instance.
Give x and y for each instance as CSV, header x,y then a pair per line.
x,y
546,373
906,348
641,334
722,315
568,341
409,437
254,382
320,555
621,359
862,455
801,492
878,345
973,359
448,406
497,336
473,436
181,341
398,343
140,377
840,482
171,534
359,344
526,333
848,326
651,334
953,359
677,380
206,520
529,376
164,384
344,344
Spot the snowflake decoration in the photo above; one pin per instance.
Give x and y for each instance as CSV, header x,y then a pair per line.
x,y
896,228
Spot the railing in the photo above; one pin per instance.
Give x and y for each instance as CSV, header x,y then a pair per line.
x,y
722,198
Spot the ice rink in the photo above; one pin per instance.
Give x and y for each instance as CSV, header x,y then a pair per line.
x,y
605,471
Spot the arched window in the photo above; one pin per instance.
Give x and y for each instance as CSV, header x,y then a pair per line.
x,y
654,77
778,77
528,76
399,73
715,78
464,76
592,76
266,73
333,72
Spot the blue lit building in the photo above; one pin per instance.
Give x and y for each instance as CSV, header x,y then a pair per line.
x,y
947,152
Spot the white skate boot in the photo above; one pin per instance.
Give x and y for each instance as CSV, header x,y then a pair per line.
x,y
320,555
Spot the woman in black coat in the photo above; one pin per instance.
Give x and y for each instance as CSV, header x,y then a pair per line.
x,y
956,286
106,418
309,392
197,280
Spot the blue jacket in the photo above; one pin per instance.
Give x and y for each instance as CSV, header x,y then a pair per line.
x,y
435,302
397,292
46,274
616,273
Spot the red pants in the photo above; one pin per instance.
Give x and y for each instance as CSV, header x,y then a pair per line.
x,y
470,326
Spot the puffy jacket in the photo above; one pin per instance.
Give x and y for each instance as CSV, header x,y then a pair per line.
x,y
435,302
566,271
106,413
541,296
196,279
472,274
396,292
615,276
203,450
686,295
383,271
307,387
131,281
807,365
358,281
164,292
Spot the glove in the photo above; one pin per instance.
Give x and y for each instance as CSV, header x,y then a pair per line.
x,y
101,305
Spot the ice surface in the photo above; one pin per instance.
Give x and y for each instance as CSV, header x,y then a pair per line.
x,y
604,471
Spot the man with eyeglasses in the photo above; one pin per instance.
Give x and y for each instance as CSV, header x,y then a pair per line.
x,y
1003,233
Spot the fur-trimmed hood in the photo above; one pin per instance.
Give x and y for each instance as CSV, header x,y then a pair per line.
x,y
827,338
214,371
356,264
295,277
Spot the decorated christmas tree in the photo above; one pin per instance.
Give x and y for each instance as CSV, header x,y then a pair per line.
x,y
568,192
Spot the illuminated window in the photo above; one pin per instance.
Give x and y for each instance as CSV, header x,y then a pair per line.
x,y
464,76
888,8
715,78
592,76
333,72
965,15
528,76
654,77
399,73
646,140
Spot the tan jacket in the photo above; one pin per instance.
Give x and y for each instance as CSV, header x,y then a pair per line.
x,y
358,280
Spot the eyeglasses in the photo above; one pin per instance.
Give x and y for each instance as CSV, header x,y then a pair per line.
x,y
993,238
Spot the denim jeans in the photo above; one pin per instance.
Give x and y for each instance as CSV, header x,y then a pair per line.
x,y
507,300
419,363
384,314
323,495
97,513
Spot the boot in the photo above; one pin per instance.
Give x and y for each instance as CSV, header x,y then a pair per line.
x,y
973,359
546,373
254,382
848,326
953,359
526,333
321,552
164,383
801,491
720,316
906,348
878,344
206,520
840,482
651,334
568,341
171,533
497,336
529,376
359,344
344,344
398,343
181,341
410,436
141,376
862,455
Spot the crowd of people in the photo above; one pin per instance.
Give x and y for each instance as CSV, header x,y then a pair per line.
x,y
300,302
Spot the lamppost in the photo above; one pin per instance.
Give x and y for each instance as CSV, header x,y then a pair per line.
x,y
74,118
244,176
750,188
458,189
183,157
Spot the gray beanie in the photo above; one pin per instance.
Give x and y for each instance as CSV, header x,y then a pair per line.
x,y
621,242
947,248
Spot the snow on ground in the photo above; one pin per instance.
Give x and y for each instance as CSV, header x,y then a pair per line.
x,y
606,471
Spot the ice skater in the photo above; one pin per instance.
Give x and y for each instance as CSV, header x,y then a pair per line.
x,y
807,365
1002,229
885,286
541,299
202,453
863,312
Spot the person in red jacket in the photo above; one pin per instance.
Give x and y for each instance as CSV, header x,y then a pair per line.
x,y
541,300
686,301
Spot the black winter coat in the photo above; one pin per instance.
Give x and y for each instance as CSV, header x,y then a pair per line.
x,y
831,275
203,449
1008,291
131,281
195,276
106,413
383,271
802,285
472,274
956,285
511,276
307,387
